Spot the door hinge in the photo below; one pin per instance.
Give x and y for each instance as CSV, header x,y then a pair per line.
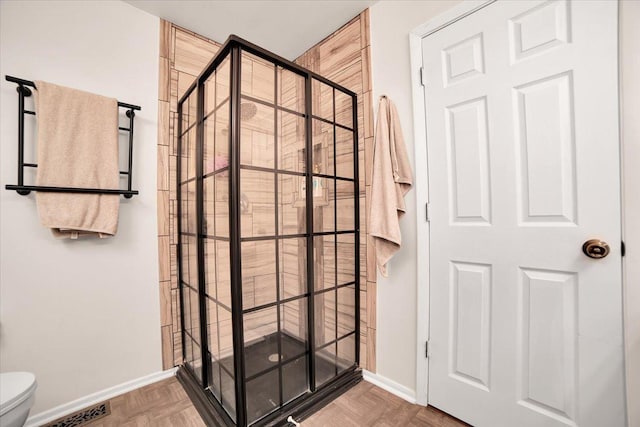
x,y
426,211
422,76
426,349
623,248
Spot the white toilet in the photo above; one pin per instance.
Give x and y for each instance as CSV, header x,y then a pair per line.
x,y
17,394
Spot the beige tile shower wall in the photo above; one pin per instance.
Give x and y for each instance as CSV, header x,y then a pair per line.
x,y
344,58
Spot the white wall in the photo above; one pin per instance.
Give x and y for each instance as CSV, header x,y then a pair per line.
x,y
391,22
82,315
630,102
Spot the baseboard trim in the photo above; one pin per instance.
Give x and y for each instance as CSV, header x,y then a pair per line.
x,y
391,386
97,397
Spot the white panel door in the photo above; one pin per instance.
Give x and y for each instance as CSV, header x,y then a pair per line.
x,y
523,166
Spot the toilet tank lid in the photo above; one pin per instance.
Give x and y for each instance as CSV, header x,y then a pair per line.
x,y
15,387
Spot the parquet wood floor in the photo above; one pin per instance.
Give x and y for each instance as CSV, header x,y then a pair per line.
x,y
165,404
368,405
162,404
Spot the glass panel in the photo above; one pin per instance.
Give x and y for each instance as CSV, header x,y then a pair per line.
x,y
293,267
344,109
223,270
322,100
210,267
189,216
323,204
324,262
184,157
193,262
344,153
260,340
184,261
186,309
346,258
228,392
225,361
322,147
345,194
346,352
295,379
221,158
212,329
193,108
185,220
189,261
184,209
293,327
258,78
290,90
196,363
188,349
195,316
325,364
210,94
263,395
214,379
257,203
208,164
257,134
291,142
184,125
292,204
216,143
225,338
209,197
188,155
258,273
191,154
346,310
189,110
222,204
223,78
325,317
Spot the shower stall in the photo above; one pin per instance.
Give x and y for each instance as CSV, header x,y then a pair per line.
x,y
268,238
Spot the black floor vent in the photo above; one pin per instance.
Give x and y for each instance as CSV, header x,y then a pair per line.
x,y
82,417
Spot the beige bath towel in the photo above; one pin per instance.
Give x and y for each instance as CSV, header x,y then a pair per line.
x,y
392,179
77,147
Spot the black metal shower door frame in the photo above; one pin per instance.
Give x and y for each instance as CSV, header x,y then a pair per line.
x,y
306,403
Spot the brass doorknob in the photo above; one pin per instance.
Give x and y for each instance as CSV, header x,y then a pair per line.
x,y
596,249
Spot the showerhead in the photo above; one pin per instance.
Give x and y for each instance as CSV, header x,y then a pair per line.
x,y
248,110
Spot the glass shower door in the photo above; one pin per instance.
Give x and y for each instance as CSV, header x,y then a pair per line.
x,y
273,235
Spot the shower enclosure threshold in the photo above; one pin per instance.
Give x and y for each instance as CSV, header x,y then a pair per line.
x,y
301,408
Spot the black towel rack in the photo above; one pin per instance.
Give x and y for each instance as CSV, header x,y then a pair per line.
x,y
20,188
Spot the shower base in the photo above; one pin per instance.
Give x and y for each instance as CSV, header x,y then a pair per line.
x,y
263,387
